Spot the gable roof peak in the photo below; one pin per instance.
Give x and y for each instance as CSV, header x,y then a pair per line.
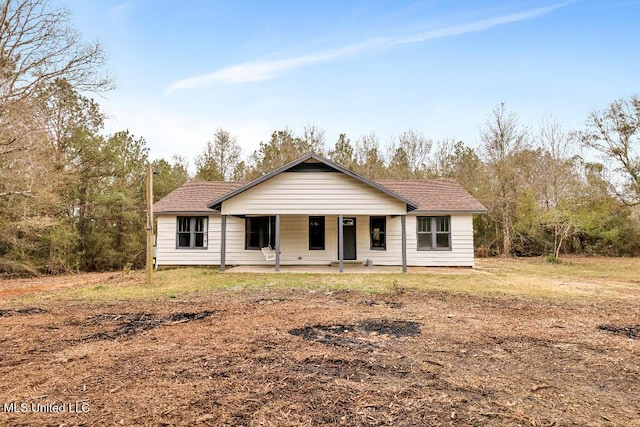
x,y
215,204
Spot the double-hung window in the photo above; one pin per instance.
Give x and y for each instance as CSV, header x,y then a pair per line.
x,y
378,232
260,232
434,233
192,232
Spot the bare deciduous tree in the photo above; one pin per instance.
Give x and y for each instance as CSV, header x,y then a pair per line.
x,y
502,137
557,180
615,133
370,162
417,149
313,136
38,47
220,157
558,169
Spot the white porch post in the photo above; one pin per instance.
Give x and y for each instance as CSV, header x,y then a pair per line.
x,y
403,222
278,242
340,244
223,241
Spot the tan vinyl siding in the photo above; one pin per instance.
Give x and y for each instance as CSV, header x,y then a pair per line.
x,y
294,243
312,193
392,255
294,246
168,254
235,252
461,253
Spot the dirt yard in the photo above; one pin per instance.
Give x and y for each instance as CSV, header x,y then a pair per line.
x,y
282,357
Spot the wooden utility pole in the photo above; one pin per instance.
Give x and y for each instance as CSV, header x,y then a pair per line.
x,y
149,192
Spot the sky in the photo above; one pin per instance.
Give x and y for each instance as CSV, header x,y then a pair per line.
x,y
439,67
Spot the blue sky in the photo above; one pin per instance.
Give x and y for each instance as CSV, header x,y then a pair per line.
x,y
185,68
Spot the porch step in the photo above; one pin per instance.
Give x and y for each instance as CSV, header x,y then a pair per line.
x,y
347,262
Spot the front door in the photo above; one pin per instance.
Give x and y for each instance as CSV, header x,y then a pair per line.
x,y
349,238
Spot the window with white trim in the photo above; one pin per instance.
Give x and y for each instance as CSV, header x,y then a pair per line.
x,y
191,232
434,233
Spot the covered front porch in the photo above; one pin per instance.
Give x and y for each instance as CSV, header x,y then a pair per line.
x,y
313,187
342,242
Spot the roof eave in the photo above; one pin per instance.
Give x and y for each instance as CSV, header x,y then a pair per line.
x,y
449,211
188,212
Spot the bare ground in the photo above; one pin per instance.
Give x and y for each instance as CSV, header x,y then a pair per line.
x,y
301,358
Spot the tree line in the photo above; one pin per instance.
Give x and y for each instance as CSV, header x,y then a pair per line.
x,y
549,191
72,197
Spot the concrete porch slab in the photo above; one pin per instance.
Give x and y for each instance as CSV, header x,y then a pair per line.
x,y
348,268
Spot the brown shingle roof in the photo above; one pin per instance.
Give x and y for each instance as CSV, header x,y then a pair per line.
x,y
194,196
435,195
430,195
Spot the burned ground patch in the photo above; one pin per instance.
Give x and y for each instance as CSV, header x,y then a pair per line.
x,y
129,324
364,334
390,304
22,311
396,328
271,300
628,331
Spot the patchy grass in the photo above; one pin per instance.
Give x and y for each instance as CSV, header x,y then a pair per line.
x,y
582,278
575,277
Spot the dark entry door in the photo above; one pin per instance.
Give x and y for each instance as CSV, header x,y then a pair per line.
x,y
349,238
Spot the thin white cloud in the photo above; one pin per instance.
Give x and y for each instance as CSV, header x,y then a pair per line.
x,y
256,71
121,11
265,70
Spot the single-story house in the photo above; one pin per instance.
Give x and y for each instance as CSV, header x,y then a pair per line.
x,y
315,212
